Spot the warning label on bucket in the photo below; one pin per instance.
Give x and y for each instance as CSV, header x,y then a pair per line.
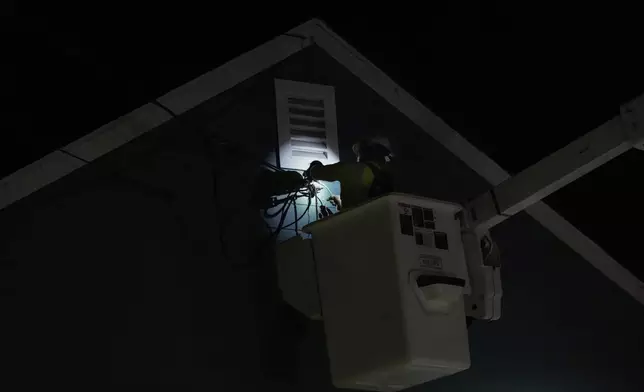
x,y
431,261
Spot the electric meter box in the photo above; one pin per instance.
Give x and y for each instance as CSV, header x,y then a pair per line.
x,y
391,275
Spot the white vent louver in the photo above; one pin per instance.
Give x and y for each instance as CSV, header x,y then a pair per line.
x,y
306,124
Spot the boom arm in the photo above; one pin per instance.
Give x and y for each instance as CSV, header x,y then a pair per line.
x,y
578,158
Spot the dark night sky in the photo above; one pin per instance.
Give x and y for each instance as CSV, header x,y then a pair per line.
x,y
506,79
518,83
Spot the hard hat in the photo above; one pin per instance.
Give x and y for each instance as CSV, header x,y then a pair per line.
x,y
382,142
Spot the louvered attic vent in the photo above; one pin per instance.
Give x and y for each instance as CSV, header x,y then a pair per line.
x,y
306,124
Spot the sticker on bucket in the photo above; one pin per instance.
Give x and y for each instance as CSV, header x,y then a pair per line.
x,y
431,261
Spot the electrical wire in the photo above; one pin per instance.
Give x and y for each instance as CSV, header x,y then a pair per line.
x,y
219,208
301,216
283,201
322,203
280,226
309,192
320,200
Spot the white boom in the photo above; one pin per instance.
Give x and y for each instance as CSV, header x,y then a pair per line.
x,y
564,166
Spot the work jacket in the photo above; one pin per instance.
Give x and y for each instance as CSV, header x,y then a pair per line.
x,y
360,181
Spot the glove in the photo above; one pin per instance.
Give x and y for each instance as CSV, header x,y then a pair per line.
x,y
313,165
336,201
324,212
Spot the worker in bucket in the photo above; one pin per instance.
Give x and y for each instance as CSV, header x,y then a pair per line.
x,y
370,176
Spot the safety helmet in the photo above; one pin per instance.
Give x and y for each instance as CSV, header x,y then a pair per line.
x,y
376,148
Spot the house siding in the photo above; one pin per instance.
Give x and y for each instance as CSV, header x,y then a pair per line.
x,y
149,267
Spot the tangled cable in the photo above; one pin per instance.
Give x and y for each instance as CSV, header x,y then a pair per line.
x,y
307,190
